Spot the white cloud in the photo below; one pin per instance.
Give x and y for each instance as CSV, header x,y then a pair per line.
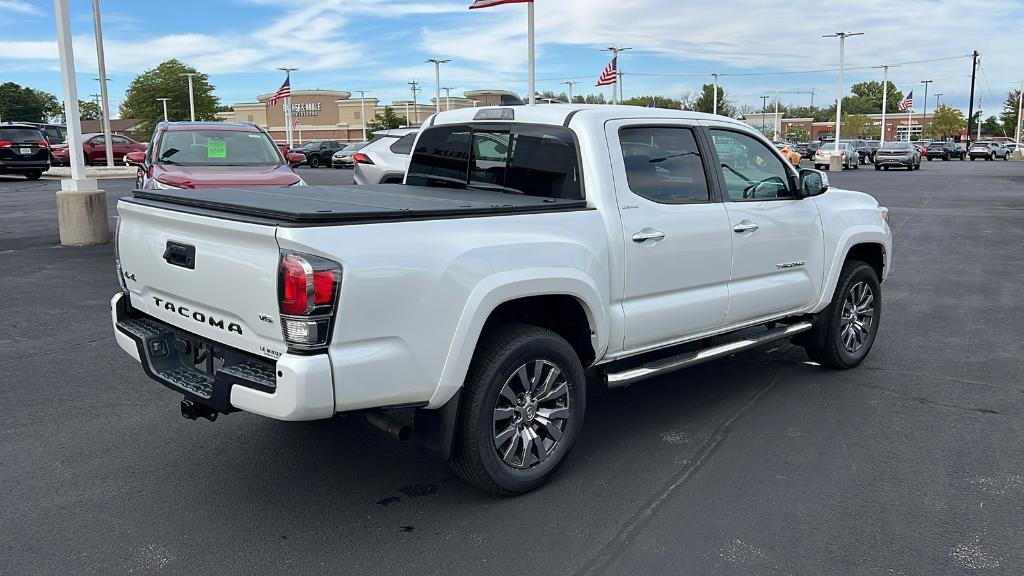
x,y
18,7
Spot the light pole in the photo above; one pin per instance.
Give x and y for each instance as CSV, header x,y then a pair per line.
x,y
437,83
102,68
415,87
937,96
776,124
885,99
570,84
618,70
288,106
191,98
839,93
362,110
924,111
1020,106
447,98
714,98
164,100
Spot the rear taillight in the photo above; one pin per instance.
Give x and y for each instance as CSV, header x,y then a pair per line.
x,y
43,144
360,158
5,143
308,288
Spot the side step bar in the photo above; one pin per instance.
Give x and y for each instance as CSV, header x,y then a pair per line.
x,y
687,359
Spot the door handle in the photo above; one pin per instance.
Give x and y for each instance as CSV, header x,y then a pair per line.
x,y
745,226
648,234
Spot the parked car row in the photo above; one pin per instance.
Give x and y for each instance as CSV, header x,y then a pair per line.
x,y
95,151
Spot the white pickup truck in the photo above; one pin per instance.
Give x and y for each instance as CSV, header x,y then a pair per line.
x,y
527,245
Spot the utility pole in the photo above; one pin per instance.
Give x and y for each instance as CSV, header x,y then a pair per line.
x,y
812,100
191,98
437,83
618,74
924,111
885,99
714,98
1020,106
362,110
970,110
447,98
839,92
570,83
288,107
937,96
164,100
415,90
102,68
775,119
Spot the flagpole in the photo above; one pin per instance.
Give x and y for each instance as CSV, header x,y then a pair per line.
x,y
533,62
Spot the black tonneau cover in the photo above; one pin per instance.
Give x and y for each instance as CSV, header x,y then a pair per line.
x,y
344,204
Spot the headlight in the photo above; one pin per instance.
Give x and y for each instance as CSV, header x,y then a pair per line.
x,y
163,186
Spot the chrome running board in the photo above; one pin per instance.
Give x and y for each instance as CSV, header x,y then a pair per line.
x,y
680,361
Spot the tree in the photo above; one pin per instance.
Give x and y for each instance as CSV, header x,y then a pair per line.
x,y
859,126
1009,114
797,134
866,98
89,110
659,102
705,101
23,104
166,81
992,127
946,123
386,121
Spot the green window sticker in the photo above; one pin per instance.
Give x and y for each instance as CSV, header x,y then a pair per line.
x,y
216,149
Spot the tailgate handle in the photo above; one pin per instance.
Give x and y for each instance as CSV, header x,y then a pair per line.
x,y
179,254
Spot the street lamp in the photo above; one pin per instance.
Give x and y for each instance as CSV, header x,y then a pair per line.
x,y
362,110
618,71
102,69
885,98
924,111
288,106
447,98
191,98
437,83
164,100
569,83
839,94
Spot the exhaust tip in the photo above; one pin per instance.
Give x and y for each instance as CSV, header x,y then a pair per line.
x,y
398,430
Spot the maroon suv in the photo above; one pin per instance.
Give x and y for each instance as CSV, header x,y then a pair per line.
x,y
212,155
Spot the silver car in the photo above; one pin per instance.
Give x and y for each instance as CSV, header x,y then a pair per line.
x,y
848,154
385,158
343,158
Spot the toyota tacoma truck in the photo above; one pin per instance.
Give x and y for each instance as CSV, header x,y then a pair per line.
x,y
531,255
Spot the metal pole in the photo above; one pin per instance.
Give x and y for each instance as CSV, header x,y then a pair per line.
x,y
164,100
100,62
72,115
910,120
839,92
362,110
407,121
1020,106
437,83
289,137
533,61
937,96
775,120
924,111
447,99
714,99
570,83
885,102
191,98
970,110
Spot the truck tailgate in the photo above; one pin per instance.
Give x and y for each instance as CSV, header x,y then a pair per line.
x,y
215,278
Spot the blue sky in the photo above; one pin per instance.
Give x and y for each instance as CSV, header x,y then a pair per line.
x,y
379,45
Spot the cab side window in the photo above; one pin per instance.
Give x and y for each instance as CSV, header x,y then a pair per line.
x,y
663,164
751,170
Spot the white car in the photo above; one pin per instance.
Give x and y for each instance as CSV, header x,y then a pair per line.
x,y
823,156
527,244
384,159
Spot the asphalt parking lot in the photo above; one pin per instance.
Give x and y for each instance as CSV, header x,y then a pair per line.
x,y
762,464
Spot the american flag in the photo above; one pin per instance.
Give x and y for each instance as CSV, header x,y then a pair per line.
x,y
908,102
489,3
608,76
283,92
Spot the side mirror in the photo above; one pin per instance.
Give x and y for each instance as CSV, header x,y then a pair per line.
x,y
296,158
813,182
135,158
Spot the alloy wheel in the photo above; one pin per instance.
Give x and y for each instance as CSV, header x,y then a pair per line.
x,y
531,414
858,316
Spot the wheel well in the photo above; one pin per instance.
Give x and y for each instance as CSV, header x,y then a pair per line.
x,y
871,254
560,313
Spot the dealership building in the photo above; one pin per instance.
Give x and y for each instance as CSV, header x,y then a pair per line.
x,y
336,115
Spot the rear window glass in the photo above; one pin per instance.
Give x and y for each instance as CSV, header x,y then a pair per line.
x,y
20,135
517,159
663,164
896,146
404,144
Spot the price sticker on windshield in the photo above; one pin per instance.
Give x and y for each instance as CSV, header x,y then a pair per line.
x,y
216,149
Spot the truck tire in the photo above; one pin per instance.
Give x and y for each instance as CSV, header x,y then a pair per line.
x,y
313,161
522,409
844,332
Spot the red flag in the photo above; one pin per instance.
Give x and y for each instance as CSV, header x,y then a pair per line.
x,y
489,3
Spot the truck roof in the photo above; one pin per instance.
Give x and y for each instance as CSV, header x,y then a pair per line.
x,y
558,114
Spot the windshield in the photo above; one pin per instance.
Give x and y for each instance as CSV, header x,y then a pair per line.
x,y
217,148
896,146
353,147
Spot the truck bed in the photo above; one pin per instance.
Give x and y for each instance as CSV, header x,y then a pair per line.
x,y
321,205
